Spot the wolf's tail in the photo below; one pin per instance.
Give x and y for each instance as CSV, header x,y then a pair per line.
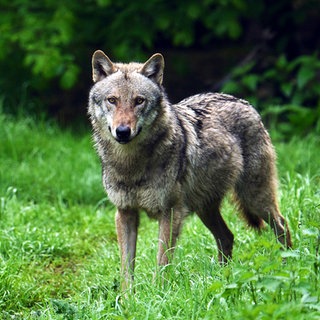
x,y
252,219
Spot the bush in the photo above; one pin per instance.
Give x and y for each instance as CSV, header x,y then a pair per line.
x,y
286,90
45,47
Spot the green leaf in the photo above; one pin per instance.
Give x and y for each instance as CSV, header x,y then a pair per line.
x,y
282,62
271,284
290,254
215,286
231,87
103,3
286,88
251,81
69,77
305,74
243,69
248,277
194,10
183,38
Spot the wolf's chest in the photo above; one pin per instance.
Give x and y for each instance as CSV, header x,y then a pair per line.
x,y
150,193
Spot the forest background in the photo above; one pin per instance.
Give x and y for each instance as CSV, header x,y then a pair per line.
x,y
263,51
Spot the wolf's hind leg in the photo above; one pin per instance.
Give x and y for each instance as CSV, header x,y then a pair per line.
x,y
213,220
280,227
169,230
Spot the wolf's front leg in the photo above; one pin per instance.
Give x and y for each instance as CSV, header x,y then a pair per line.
x,y
127,222
169,229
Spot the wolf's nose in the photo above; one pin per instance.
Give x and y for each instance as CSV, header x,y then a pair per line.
x,y
123,133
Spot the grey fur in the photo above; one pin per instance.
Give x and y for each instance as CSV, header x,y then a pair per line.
x,y
171,160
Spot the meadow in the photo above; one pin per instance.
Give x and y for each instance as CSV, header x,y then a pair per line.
x,y
59,257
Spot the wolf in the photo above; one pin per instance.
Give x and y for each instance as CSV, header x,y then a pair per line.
x,y
171,160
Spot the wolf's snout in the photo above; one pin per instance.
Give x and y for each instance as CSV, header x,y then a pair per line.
x,y
123,134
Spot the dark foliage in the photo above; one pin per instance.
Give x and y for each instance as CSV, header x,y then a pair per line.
x,y
263,50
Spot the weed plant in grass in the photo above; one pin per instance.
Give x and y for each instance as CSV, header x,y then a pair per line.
x,y
59,257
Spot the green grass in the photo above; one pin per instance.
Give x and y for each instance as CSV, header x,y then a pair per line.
x,y
59,257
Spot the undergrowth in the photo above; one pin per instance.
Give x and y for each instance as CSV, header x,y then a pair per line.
x,y
59,257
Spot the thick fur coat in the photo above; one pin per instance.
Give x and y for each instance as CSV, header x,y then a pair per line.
x,y
171,160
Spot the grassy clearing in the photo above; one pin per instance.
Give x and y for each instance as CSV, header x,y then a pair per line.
x,y
59,257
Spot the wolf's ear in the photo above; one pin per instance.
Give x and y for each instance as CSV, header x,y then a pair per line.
x,y
153,68
101,66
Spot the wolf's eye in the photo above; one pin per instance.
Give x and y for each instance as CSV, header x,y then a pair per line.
x,y
139,101
112,100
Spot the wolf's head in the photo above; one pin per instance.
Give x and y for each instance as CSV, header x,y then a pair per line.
x,y
125,97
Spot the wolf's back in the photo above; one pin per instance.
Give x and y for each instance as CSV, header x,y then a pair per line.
x,y
225,140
